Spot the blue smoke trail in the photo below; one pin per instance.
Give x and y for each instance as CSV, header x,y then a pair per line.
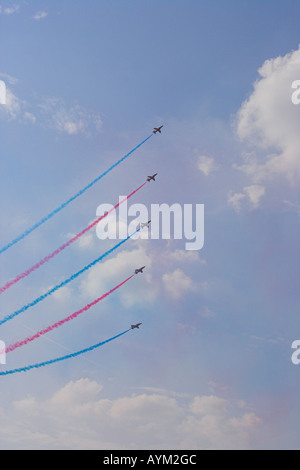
x,y
71,278
62,358
62,206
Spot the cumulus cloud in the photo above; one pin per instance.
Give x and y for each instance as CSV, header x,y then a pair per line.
x,y
78,416
209,405
85,241
206,164
106,275
235,200
177,284
254,193
250,197
76,393
63,294
269,122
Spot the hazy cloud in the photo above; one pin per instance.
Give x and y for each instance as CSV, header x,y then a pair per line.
x,y
70,120
77,416
9,10
13,106
50,113
177,284
40,15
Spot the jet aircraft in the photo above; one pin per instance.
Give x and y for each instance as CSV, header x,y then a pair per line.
x,y
139,270
135,326
149,178
145,224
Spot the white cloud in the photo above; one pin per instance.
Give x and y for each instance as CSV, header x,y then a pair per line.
x,y
206,164
29,117
181,256
163,391
177,284
235,199
72,120
40,15
63,294
250,197
9,10
270,122
248,420
85,241
76,393
77,416
106,275
211,404
51,113
254,193
9,78
13,105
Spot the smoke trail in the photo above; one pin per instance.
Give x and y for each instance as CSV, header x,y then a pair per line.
x,y
65,245
63,205
27,340
58,286
62,358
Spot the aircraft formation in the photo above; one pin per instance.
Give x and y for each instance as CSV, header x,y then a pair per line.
x,y
84,269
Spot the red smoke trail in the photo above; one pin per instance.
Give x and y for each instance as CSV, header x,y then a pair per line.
x,y
65,245
18,344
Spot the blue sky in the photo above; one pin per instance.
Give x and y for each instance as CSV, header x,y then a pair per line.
x,y
211,365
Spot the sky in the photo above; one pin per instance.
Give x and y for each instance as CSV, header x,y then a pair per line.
x,y
211,365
